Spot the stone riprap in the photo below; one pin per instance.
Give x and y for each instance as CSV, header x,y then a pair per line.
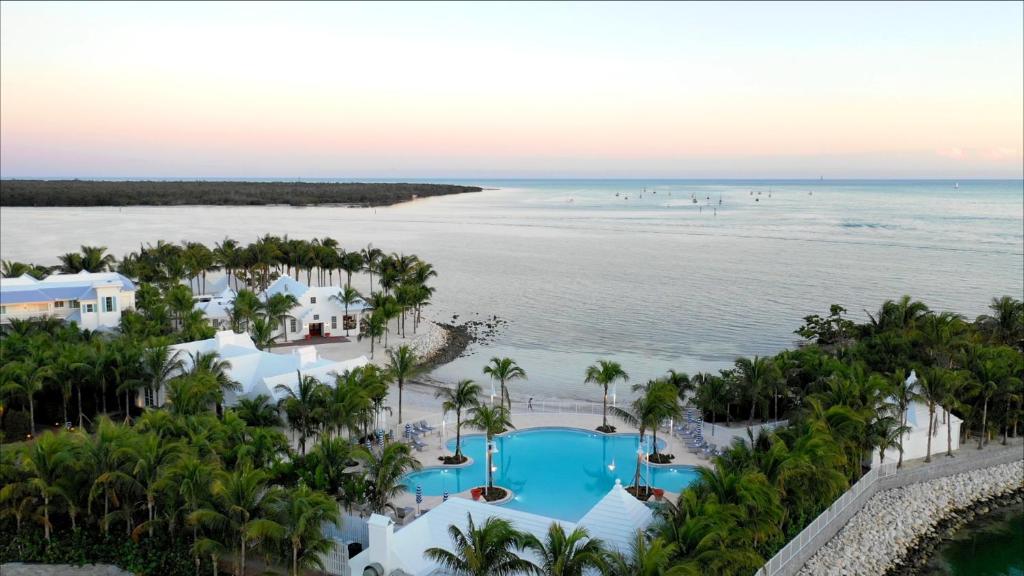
x,y
891,524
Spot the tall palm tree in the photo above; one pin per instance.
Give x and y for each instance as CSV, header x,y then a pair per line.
x,y
277,307
904,392
403,364
159,365
504,370
604,374
351,262
246,306
384,472
373,328
489,550
347,296
932,387
264,332
241,506
491,420
302,513
711,395
465,395
45,462
1006,323
564,554
657,402
301,404
26,378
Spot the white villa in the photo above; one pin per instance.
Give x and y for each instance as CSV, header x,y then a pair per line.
x,y
317,314
615,519
217,307
258,372
93,300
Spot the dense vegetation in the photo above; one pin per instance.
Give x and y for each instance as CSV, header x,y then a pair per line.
x,y
843,395
191,483
195,483
208,193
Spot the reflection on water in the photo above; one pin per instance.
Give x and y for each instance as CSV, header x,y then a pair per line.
x,y
989,546
655,282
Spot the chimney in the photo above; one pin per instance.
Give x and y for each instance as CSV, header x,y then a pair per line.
x,y
380,531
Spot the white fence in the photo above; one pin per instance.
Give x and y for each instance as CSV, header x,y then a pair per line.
x,y
827,524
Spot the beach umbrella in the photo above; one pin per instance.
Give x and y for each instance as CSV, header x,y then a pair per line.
x,y
419,497
369,444
380,438
408,430
444,497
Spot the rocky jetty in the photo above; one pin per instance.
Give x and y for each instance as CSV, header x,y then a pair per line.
x,y
891,533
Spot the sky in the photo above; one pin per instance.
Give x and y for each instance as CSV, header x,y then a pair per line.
x,y
506,90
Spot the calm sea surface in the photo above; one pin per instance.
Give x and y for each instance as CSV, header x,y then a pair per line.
x,y
654,281
992,545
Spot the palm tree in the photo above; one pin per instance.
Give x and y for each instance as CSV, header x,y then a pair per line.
x,y
27,377
646,557
347,296
756,376
504,370
465,395
351,262
604,374
45,462
151,458
491,420
277,307
403,364
220,370
246,306
159,365
241,505
932,387
489,550
301,405
258,411
373,329
1006,323
904,393
659,401
264,332
302,513
711,395
384,472
566,555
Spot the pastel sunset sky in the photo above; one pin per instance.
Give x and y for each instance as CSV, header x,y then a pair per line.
x,y
790,90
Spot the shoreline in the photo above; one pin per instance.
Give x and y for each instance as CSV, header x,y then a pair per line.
x,y
917,559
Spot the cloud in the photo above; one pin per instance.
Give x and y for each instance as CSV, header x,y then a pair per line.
x,y
952,153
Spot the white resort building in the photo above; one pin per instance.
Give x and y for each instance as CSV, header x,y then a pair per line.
x,y
93,300
318,313
615,520
217,307
257,372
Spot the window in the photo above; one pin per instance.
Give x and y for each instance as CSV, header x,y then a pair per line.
x,y
312,299
3,309
334,322
294,325
90,308
150,397
58,303
74,304
316,316
109,304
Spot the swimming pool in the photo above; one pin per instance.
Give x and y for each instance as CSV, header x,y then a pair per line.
x,y
556,472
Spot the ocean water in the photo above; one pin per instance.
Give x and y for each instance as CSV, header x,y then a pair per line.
x,y
580,272
992,545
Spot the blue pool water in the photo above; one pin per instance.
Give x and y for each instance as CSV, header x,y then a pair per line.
x,y
557,472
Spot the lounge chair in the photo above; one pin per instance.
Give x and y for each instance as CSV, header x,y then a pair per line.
x,y
418,429
418,445
426,427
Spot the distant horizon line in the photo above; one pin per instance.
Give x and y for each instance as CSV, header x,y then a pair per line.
x,y
401,179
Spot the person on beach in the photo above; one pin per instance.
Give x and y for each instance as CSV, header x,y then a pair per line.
x,y
529,403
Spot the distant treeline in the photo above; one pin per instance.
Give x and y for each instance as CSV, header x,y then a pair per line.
x,y
156,193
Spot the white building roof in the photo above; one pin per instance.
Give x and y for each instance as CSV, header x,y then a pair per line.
x,y
260,372
326,304
615,519
286,285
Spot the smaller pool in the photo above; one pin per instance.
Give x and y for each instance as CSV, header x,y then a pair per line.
x,y
557,472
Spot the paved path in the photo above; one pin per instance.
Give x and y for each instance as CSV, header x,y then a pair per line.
x,y
19,569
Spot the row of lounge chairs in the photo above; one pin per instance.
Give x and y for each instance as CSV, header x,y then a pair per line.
x,y
413,435
698,446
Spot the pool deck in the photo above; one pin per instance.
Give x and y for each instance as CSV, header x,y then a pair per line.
x,y
524,419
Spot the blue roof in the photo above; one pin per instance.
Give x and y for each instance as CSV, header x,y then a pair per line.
x,y
81,286
287,285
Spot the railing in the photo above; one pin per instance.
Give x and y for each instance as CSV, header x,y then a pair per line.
x,y
353,529
827,524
